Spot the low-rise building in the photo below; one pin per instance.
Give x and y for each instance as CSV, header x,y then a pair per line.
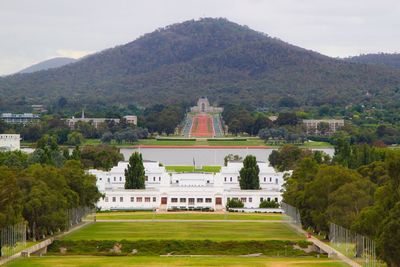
x,y
312,126
96,122
171,190
23,118
10,142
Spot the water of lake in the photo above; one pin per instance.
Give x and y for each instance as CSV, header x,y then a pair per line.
x,y
201,156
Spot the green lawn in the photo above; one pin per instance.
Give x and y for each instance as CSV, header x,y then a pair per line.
x,y
97,261
204,142
192,169
316,145
217,231
180,142
123,215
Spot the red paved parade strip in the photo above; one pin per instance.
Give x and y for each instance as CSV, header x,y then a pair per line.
x,y
202,126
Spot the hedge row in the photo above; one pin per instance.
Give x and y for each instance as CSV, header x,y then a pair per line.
x,y
227,139
176,139
180,247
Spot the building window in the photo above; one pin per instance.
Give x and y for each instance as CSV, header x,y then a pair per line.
x,y
191,201
261,199
108,179
147,199
115,179
100,179
106,199
154,199
120,179
268,199
208,200
154,179
138,199
208,181
243,199
199,200
114,199
276,200
276,180
250,199
174,200
224,179
229,199
132,199
270,179
147,178
182,200
121,199
230,179
159,179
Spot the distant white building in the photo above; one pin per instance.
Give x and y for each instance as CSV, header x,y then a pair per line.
x,y
23,118
312,125
203,106
130,119
10,142
170,190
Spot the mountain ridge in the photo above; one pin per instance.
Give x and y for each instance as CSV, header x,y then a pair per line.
x,y
391,60
215,57
48,64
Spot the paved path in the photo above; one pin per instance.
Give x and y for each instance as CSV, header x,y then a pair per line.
x,y
34,248
328,249
167,220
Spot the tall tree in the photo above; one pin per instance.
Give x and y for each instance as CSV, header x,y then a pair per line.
x,y
134,174
249,174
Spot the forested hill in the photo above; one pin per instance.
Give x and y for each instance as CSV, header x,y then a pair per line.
x,y
227,62
383,59
49,64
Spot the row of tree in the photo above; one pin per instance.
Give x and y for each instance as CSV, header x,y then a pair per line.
x,y
358,189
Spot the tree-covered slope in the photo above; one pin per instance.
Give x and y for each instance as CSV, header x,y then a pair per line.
x,y
49,64
382,59
213,57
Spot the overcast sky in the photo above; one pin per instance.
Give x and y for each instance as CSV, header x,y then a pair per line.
x,y
34,30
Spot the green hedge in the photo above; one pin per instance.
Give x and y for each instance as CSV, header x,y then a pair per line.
x,y
226,139
181,247
176,139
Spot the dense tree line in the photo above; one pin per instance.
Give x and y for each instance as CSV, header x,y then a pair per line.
x,y
40,188
56,127
41,194
358,189
164,119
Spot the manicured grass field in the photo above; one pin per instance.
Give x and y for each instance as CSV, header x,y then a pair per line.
x,y
97,261
316,145
217,231
180,142
117,215
204,142
192,169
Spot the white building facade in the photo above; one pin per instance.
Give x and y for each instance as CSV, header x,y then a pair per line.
x,y
185,191
10,142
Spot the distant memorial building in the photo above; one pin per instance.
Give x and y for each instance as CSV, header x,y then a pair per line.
x,y
203,106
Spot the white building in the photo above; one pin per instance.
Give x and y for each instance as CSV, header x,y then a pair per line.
x,y
203,106
170,190
24,118
10,142
312,125
96,122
